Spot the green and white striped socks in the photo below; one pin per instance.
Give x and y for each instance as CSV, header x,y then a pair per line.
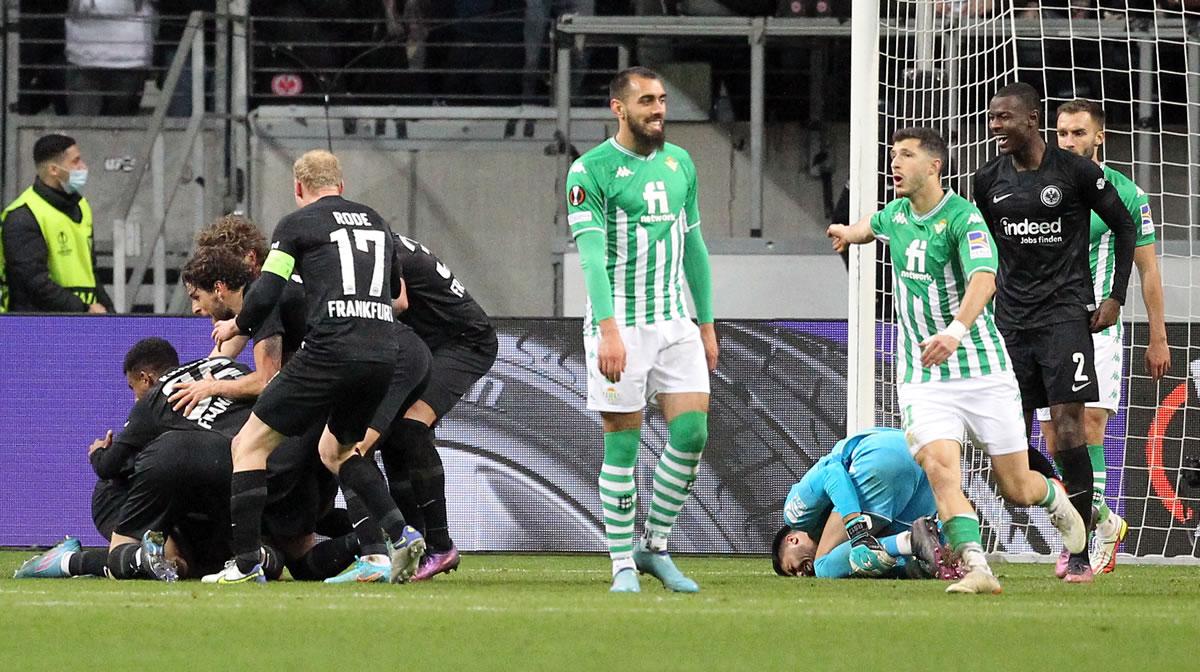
x,y
618,495
674,475
1099,482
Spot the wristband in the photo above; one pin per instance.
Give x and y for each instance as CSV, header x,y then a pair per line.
x,y
859,526
956,330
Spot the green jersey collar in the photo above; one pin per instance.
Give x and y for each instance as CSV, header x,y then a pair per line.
x,y
630,152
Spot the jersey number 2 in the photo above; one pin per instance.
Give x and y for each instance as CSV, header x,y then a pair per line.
x,y
363,240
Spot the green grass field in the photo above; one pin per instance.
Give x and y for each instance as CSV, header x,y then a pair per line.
x,y
554,613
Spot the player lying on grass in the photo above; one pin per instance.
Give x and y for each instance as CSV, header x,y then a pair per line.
x,y
166,473
862,510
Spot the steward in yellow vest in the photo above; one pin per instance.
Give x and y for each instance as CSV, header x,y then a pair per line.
x,y
47,261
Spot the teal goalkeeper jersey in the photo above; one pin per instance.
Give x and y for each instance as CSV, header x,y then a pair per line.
x,y
933,257
643,205
1102,252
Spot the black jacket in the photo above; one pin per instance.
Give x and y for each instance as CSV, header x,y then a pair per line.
x,y
25,254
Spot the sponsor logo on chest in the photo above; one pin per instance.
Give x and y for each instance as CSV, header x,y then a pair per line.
x,y
1031,232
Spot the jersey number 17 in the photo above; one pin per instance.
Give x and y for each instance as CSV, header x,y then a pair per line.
x,y
364,240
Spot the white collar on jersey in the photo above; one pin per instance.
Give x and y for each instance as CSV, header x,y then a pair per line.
x,y
630,152
934,210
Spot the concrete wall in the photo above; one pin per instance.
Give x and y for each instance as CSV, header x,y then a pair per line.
x,y
489,212
110,147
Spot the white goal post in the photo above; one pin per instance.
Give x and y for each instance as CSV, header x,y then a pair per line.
x,y
931,63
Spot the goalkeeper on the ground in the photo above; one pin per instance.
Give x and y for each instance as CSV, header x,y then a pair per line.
x,y
865,509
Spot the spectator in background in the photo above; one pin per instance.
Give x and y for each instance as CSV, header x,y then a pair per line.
x,y
47,236
40,79
172,21
538,15
968,7
109,48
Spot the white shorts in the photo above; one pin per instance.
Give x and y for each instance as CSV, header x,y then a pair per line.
x,y
661,357
987,409
1110,356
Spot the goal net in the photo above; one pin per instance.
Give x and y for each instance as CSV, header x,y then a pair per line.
x,y
938,63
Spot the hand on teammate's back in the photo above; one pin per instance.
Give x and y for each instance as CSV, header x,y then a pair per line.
x,y
101,443
1106,315
187,395
224,330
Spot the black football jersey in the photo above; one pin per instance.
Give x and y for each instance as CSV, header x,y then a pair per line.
x,y
1040,221
154,416
439,307
288,319
343,254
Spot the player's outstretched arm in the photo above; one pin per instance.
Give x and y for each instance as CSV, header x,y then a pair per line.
x,y
1158,355
938,348
844,235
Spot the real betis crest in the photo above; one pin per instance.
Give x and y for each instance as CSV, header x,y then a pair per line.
x,y
940,226
672,163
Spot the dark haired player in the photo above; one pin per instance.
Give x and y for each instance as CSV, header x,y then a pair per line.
x,y
174,464
633,208
867,475
343,251
1037,201
954,380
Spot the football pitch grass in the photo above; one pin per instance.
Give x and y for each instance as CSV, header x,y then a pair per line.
x,y
545,612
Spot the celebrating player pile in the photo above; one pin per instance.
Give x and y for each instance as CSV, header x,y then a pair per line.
x,y
954,373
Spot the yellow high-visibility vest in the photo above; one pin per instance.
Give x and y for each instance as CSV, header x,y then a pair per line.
x,y
68,245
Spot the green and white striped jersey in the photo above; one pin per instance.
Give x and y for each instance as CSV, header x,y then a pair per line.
x,y
1103,245
643,205
933,257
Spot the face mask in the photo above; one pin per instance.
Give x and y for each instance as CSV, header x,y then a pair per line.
x,y
76,181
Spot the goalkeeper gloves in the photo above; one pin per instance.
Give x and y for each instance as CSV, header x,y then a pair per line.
x,y
867,555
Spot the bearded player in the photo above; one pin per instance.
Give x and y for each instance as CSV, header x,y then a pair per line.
x,y
1081,131
634,215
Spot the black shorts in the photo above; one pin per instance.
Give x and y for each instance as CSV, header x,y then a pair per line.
x,y
344,394
455,368
1054,364
299,489
107,499
409,380
178,475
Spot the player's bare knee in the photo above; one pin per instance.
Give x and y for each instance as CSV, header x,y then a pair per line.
x,y
1019,489
1069,424
1095,421
941,470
